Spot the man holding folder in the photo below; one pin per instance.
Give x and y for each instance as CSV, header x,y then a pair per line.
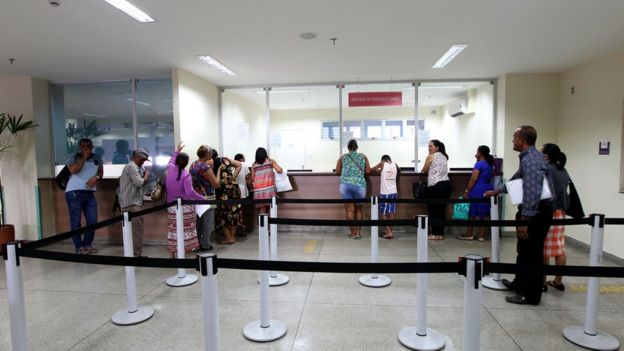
x,y
532,170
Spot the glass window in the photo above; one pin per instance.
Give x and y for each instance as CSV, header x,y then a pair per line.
x,y
329,130
373,129
155,116
353,128
394,129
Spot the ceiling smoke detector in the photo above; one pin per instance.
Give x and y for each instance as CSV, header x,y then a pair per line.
x,y
307,36
54,3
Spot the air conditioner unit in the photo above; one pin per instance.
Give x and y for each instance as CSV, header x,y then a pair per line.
x,y
457,108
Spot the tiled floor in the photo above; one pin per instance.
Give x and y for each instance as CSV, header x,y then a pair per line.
x,y
69,305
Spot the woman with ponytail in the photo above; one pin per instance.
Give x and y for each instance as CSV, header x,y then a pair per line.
x,y
479,183
180,185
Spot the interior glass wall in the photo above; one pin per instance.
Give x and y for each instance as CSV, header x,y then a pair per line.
x,y
244,124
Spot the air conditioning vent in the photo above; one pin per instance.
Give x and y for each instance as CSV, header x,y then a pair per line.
x,y
457,108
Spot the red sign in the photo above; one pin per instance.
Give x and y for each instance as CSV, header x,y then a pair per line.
x,y
384,98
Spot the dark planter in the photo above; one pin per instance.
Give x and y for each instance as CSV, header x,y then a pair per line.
x,y
7,233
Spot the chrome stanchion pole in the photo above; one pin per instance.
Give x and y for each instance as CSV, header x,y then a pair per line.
x,y
589,336
275,278
265,329
15,293
420,337
374,280
181,279
472,302
134,314
494,281
210,302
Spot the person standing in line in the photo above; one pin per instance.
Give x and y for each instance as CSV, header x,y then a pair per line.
x,y
389,172
86,169
122,150
263,178
554,245
228,216
243,179
204,182
180,185
479,183
133,178
353,167
438,185
530,246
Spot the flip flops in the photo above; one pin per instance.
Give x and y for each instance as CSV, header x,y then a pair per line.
x,y
559,287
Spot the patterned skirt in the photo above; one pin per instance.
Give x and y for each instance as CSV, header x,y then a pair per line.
x,y
554,245
190,233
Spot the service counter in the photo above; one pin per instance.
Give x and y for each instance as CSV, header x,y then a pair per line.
x,y
306,185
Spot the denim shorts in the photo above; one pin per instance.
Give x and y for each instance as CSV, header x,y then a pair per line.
x,y
350,191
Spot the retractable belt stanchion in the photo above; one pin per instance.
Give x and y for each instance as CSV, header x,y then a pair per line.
x,y
374,280
15,293
210,302
266,329
133,314
472,302
493,281
275,278
588,336
181,279
420,337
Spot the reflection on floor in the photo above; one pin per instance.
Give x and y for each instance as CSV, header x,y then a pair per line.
x,y
69,306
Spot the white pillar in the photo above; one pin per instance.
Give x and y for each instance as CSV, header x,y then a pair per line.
x,y
210,302
15,293
275,278
472,303
493,281
133,314
420,337
374,280
181,279
588,336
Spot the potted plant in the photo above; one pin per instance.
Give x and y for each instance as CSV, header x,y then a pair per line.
x,y
9,127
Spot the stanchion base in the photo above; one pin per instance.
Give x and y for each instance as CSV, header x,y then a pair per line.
x,y
254,332
491,283
375,281
601,341
123,317
176,281
431,342
277,280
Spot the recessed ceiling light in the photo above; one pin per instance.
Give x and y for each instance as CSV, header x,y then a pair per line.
x,y
216,65
131,10
449,55
307,36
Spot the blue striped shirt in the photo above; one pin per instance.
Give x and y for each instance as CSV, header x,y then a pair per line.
x,y
533,168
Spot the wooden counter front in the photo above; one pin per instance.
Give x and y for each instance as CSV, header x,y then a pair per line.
x,y
306,185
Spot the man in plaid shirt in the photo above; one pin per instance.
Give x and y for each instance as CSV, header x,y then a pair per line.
x,y
530,247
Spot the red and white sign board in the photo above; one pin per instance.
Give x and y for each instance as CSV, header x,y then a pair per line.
x,y
383,98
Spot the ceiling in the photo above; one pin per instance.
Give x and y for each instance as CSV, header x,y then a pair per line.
x,y
88,40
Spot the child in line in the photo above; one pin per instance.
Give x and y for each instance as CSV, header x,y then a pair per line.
x,y
389,172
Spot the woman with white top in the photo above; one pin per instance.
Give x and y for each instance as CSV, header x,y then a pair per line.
x,y
438,185
389,172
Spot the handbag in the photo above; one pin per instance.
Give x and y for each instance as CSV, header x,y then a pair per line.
x,y
160,190
63,178
575,208
461,210
419,188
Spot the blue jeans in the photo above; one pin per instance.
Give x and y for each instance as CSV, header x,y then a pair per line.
x,y
350,191
80,201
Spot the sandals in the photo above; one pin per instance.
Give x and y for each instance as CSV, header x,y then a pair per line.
x,y
387,236
465,237
435,237
559,287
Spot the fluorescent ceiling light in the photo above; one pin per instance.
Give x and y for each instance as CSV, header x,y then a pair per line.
x,y
139,102
131,10
449,55
216,65
286,91
437,87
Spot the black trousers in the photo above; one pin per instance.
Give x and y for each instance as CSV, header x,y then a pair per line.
x,y
531,251
441,190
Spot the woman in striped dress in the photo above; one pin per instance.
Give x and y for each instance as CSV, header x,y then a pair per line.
x,y
263,178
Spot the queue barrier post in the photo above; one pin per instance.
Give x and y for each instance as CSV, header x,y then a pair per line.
x,y
275,278
15,294
181,279
265,329
375,280
210,302
494,281
420,337
134,314
472,302
588,336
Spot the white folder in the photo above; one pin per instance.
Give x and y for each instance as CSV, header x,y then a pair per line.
x,y
514,189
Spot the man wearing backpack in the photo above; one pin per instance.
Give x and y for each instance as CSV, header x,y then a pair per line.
x,y
133,178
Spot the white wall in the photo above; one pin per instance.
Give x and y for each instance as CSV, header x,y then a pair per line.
x,y
18,166
593,113
195,111
244,127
